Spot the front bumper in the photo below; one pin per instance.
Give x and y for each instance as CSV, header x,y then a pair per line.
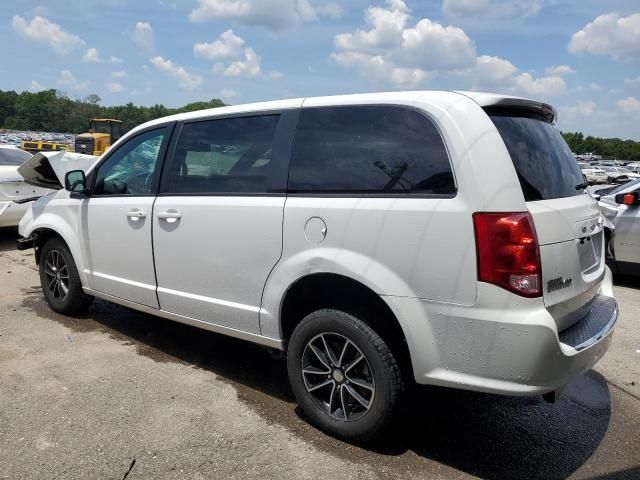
x,y
23,243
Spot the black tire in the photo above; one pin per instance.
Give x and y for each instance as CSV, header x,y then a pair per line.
x,y
74,301
381,366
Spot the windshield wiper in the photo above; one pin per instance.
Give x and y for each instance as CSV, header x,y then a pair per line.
x,y
582,186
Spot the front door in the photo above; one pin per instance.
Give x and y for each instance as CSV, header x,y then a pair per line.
x,y
217,229
116,219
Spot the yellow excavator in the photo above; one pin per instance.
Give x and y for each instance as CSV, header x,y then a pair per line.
x,y
103,132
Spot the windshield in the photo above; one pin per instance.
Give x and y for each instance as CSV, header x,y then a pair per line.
x,y
544,163
13,156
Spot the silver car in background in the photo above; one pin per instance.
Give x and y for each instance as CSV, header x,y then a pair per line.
x,y
621,208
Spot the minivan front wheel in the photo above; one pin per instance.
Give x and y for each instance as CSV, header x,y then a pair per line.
x,y
343,375
60,281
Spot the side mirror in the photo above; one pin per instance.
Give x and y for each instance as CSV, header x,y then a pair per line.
x,y
631,199
75,182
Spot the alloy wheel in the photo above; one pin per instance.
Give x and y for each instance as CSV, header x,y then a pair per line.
x,y
338,376
57,272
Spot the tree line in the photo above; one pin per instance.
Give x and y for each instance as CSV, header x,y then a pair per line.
x,y
53,111
609,148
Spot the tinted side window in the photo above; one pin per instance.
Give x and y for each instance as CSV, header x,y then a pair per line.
x,y
131,169
231,155
374,149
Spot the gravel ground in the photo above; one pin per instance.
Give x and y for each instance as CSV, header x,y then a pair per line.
x,y
121,394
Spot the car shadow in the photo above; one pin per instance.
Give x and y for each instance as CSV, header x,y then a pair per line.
x,y
489,436
8,237
630,281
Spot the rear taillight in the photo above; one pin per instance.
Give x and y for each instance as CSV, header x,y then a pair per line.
x,y
508,253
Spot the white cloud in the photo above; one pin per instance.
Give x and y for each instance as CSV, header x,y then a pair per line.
x,y
498,74
559,70
391,52
69,81
610,34
92,55
227,93
228,47
41,30
275,75
309,12
119,75
244,61
629,105
36,87
273,14
492,8
582,108
249,66
143,35
185,79
632,82
115,87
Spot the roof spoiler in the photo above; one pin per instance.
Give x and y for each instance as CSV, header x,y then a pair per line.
x,y
547,112
498,102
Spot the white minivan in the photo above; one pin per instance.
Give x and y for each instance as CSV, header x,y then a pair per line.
x,y
443,238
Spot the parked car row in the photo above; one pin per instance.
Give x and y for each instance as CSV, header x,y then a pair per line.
x,y
601,174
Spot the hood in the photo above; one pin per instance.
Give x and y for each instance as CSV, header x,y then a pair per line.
x,y
47,169
9,173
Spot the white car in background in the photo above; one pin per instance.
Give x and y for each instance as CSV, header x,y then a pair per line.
x,y
13,187
594,174
619,174
16,192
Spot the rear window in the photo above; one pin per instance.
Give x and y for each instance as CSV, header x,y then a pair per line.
x,y
13,156
544,163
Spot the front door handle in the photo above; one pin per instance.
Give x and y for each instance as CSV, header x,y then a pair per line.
x,y
170,216
136,214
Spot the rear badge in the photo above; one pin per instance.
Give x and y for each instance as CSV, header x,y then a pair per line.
x,y
558,284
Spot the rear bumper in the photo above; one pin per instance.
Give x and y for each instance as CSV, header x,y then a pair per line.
x,y
511,350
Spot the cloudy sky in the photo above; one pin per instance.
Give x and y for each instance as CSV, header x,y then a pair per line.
x,y
582,56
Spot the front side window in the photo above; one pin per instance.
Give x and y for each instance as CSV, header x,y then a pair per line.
x,y
369,149
228,155
133,168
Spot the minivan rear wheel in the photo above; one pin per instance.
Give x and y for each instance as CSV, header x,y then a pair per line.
x,y
60,281
343,375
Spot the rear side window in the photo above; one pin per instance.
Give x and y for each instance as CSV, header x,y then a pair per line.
x,y
230,155
543,161
368,149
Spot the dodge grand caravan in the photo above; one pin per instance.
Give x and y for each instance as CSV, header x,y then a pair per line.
x,y
443,238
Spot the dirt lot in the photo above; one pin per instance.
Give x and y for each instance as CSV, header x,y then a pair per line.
x,y
120,394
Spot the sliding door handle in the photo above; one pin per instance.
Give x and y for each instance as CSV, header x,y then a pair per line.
x,y
136,214
170,216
